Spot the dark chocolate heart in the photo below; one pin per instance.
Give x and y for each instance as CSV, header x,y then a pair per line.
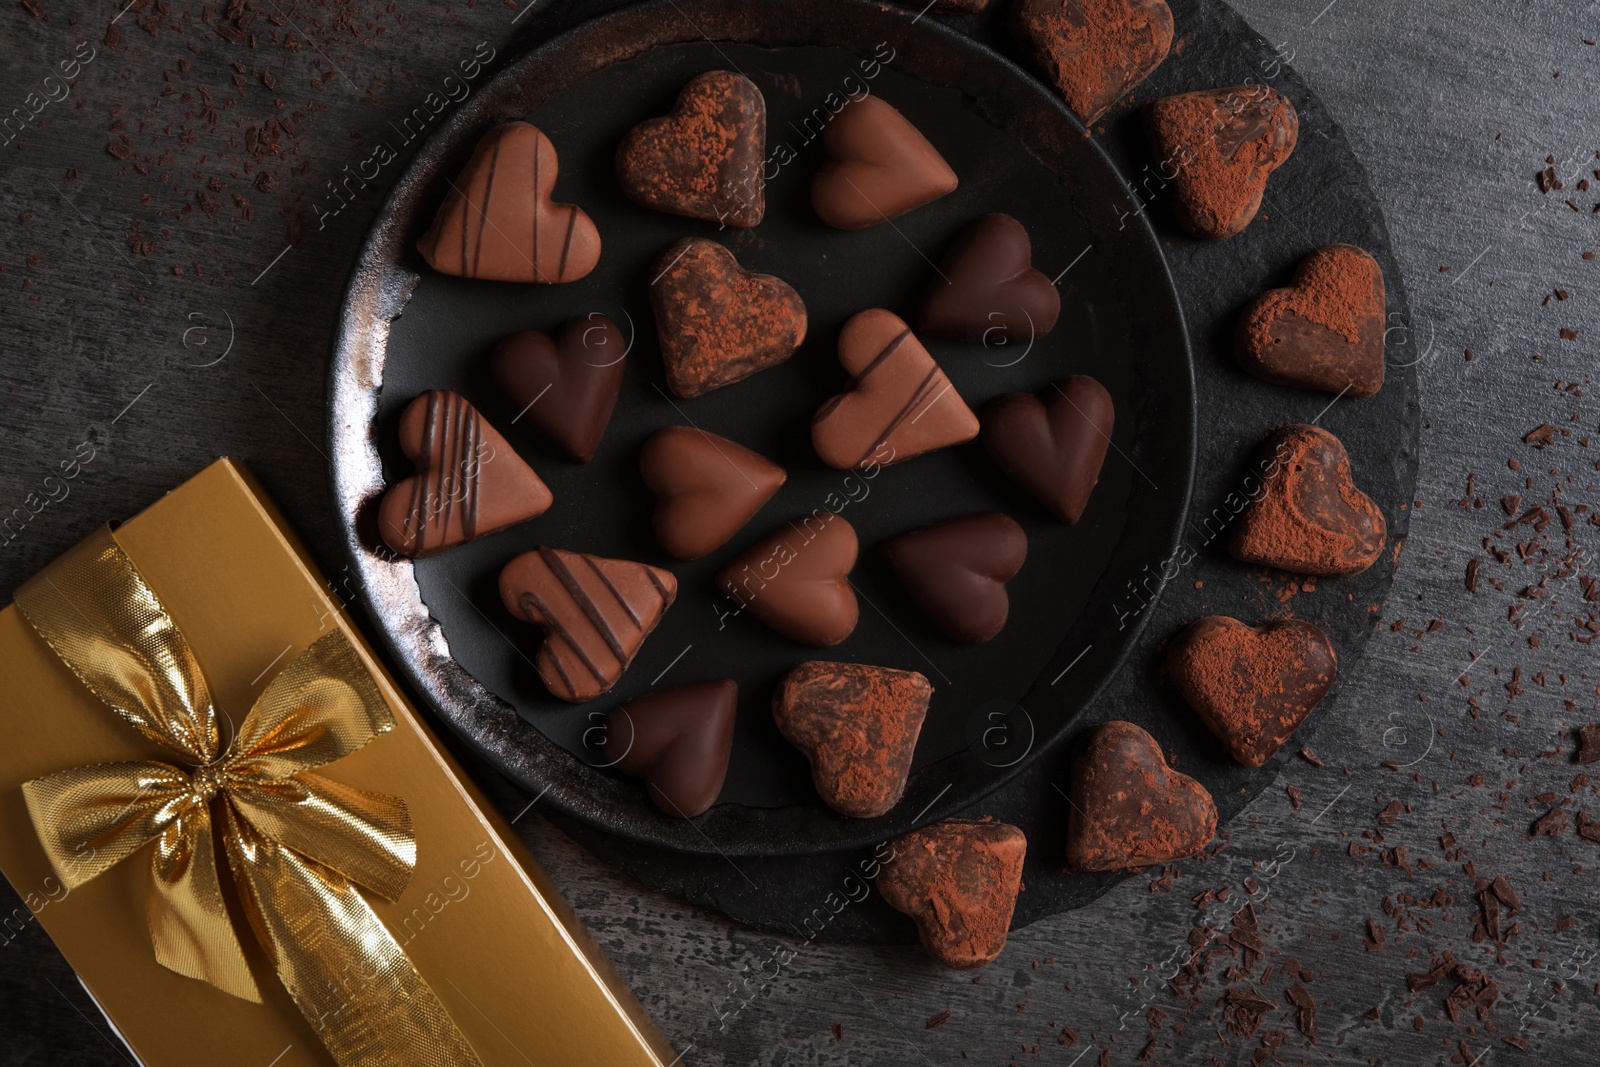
x,y
565,389
988,290
879,167
957,572
1053,449
1129,808
1251,685
1095,51
1325,330
678,741
958,880
707,487
1307,516
797,580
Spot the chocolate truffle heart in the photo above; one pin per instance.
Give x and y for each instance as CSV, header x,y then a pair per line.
x,y
957,571
1307,516
879,167
858,726
678,741
1222,145
1053,449
988,290
469,482
1251,685
719,323
958,879
595,612
498,222
704,160
898,404
1095,51
565,389
1129,809
1325,331
797,580
707,487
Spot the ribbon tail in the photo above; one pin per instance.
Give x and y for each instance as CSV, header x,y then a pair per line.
x,y
189,922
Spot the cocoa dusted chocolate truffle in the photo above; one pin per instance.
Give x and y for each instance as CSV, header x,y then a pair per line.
x,y
469,482
988,290
564,388
1053,448
707,487
1129,808
957,571
858,726
879,167
678,741
797,580
958,880
1324,330
1095,51
1251,685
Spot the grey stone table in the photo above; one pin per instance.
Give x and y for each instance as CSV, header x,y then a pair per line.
x,y
178,226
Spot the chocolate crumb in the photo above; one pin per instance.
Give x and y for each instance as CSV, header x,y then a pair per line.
x,y
1550,824
938,1018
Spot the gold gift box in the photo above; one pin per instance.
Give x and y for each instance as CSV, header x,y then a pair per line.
x,y
482,923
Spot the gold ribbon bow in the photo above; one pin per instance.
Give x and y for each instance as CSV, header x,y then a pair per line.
x,y
296,841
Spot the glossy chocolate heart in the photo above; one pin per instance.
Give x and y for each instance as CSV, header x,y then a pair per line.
x,y
1054,449
958,880
957,571
678,741
1129,808
1325,330
988,290
564,388
879,167
707,487
1095,51
797,580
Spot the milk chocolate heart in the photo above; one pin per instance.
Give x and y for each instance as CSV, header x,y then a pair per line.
x,y
678,741
898,404
719,323
988,290
565,389
1129,808
1308,517
797,580
707,487
1251,685
957,571
498,222
1223,144
469,482
1325,331
1053,449
703,160
958,880
858,726
595,612
879,167
1095,51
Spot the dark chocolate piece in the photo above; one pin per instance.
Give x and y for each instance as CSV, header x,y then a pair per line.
x,y
707,487
469,482
879,167
498,222
988,290
797,580
858,726
1054,449
1129,808
1251,685
703,160
565,389
719,323
678,741
898,403
1325,330
596,613
957,572
1095,51
958,880
1307,516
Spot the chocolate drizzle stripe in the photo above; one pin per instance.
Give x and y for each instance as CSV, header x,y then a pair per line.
x,y
419,484
584,602
650,572
910,405
483,220
878,360
558,629
600,574
471,471
566,243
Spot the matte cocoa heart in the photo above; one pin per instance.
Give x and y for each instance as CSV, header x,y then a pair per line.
x,y
958,880
858,725
879,167
595,612
1222,145
707,487
703,160
1251,685
1095,51
1129,808
469,482
957,572
1325,330
898,404
678,741
1053,449
719,323
565,389
498,221
797,580
1307,516
988,290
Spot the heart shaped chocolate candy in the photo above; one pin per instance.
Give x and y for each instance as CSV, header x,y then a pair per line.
x,y
1324,330
1054,449
797,580
707,487
879,167
1095,51
958,879
988,290
957,571
564,388
678,741
1129,808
